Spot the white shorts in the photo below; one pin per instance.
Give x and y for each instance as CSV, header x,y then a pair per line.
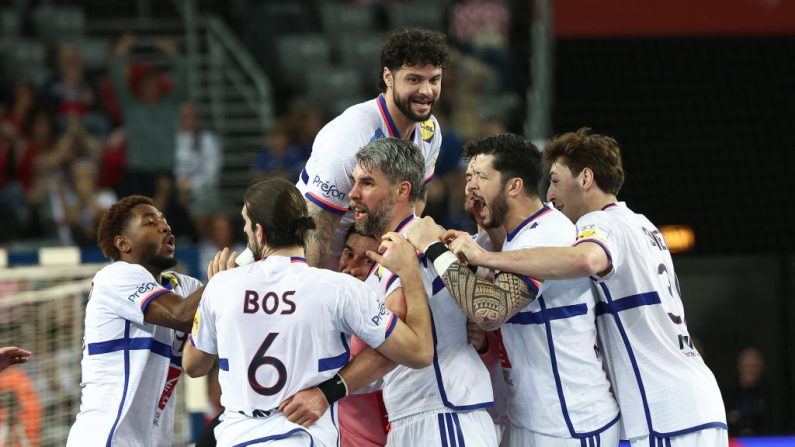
x,y
709,437
443,429
276,430
521,437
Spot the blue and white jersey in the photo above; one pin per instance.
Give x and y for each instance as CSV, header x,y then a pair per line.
x,y
130,367
661,383
457,380
554,372
326,179
278,327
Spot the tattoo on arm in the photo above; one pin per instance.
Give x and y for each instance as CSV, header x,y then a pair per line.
x,y
488,304
318,241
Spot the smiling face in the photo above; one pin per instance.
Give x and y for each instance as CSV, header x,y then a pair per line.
x,y
486,192
414,89
150,242
372,200
565,191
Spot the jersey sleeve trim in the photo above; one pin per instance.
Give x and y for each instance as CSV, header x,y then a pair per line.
x,y
429,177
145,302
535,286
328,206
599,243
390,326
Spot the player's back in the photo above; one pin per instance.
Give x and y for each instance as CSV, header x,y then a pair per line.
x,y
660,380
278,330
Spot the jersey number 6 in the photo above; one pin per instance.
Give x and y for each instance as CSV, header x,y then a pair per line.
x,y
261,359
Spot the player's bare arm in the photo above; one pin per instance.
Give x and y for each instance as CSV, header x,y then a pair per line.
x,y
410,344
585,259
318,241
196,362
173,311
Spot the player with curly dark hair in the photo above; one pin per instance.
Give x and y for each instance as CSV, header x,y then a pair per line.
x,y
136,318
412,61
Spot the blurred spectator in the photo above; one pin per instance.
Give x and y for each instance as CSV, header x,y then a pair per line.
x,y
280,157
111,172
748,402
80,203
175,207
150,117
481,28
220,234
69,93
16,117
198,161
13,206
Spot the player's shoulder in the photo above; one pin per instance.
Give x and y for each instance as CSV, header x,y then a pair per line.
x,y
120,269
331,281
357,120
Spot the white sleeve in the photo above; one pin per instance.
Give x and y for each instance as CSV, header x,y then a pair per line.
x,y
593,227
203,334
326,179
360,313
127,289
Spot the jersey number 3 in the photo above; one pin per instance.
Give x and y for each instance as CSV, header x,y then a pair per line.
x,y
261,359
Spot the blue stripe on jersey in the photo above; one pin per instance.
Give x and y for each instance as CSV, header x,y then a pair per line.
x,y
304,176
448,418
391,326
277,437
629,302
631,355
458,430
544,209
126,383
337,361
554,313
437,286
130,344
686,431
599,243
442,429
440,384
223,364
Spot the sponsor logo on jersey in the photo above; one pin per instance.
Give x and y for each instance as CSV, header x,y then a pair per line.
x,y
143,290
592,232
379,272
382,311
329,189
428,129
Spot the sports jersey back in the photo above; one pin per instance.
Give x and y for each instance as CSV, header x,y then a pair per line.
x,y
558,387
278,327
130,367
661,382
326,178
457,380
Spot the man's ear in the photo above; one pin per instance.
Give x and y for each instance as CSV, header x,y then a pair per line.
x,y
122,243
586,179
388,78
259,232
514,186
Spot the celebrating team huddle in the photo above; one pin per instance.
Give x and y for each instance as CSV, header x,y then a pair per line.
x,y
575,297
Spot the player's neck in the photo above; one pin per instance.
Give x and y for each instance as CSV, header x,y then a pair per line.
x,y
520,210
600,200
399,215
402,123
287,252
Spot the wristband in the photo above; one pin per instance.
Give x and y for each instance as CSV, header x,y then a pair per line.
x,y
334,388
440,256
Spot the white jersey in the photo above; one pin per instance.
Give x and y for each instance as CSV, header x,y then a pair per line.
x,y
558,387
278,327
326,179
457,380
662,385
130,367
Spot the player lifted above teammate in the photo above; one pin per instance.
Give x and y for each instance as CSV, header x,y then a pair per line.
x,y
666,393
411,82
279,326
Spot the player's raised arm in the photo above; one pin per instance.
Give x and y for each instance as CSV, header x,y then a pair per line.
x,y
318,241
411,343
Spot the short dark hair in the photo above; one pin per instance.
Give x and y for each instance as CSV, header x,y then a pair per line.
x,y
585,149
280,209
399,160
514,156
113,222
413,46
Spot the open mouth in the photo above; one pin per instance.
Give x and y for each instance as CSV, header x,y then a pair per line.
x,y
478,207
170,242
359,212
422,103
